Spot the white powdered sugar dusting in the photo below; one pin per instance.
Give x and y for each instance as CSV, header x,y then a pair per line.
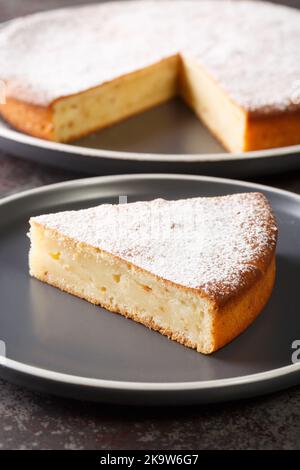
x,y
250,48
213,244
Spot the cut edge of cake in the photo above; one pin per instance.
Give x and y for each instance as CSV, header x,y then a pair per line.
x,y
71,117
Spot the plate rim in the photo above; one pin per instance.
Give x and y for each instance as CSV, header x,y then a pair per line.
x,y
70,150
130,386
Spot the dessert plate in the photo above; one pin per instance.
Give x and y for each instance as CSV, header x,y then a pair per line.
x,y
168,138
54,342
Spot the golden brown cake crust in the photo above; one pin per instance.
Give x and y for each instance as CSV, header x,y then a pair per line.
x,y
241,310
29,118
279,129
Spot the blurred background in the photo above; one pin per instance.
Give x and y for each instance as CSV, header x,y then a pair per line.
x,y
11,8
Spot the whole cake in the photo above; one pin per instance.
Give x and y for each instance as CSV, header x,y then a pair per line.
x,y
198,270
70,72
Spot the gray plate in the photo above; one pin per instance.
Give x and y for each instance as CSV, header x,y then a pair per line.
x,y
168,138
64,345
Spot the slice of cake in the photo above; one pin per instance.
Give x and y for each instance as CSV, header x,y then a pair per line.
x,y
197,270
70,72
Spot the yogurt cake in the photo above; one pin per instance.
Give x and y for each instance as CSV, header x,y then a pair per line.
x,y
197,270
72,71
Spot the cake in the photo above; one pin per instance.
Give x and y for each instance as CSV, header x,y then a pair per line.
x,y
72,71
197,270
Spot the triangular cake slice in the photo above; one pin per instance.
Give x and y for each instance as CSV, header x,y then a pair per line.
x,y
198,270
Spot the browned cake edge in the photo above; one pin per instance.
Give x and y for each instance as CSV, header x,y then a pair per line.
x,y
241,310
278,129
29,118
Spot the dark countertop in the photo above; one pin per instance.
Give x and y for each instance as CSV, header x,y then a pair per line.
x,y
30,420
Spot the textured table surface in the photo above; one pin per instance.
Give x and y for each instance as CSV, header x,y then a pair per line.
x,y
30,420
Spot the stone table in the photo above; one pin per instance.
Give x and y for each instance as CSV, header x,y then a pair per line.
x,y
30,420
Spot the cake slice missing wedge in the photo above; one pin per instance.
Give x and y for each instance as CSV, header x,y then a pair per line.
x,y
198,270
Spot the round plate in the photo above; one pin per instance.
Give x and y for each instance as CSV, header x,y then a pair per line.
x,y
65,345
168,138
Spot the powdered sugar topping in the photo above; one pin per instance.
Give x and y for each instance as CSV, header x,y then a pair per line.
x,y
250,48
213,244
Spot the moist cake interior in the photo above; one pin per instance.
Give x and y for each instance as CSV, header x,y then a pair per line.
x,y
81,114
